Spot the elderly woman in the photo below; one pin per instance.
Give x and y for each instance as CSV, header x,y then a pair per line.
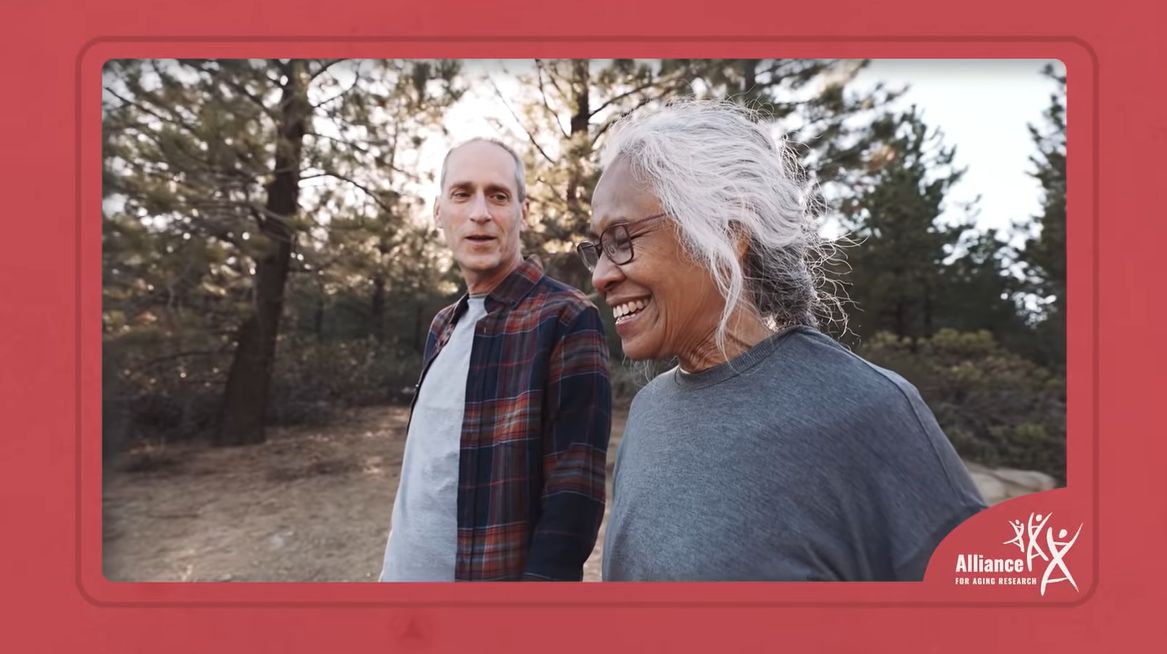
x,y
769,452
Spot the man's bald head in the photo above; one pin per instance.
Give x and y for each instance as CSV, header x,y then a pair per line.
x,y
520,177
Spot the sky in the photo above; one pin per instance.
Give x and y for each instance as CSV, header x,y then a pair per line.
x,y
982,107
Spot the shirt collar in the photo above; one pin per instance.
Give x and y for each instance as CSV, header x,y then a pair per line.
x,y
517,285
513,288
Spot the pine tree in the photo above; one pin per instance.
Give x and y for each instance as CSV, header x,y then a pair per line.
x,y
237,169
565,108
1045,253
980,292
898,268
570,105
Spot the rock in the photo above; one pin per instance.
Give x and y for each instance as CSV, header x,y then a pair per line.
x,y
991,488
999,484
1030,481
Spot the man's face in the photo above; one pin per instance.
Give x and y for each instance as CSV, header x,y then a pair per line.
x,y
480,214
665,304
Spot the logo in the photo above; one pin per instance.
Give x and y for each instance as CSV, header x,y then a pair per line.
x,y
1039,546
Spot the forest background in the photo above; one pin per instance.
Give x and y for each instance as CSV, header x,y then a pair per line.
x,y
269,260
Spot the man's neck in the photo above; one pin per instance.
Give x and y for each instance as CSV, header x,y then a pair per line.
x,y
484,285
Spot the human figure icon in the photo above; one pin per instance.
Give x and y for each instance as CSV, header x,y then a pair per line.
x,y
1033,550
1018,535
1057,550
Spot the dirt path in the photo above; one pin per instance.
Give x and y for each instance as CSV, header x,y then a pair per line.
x,y
311,504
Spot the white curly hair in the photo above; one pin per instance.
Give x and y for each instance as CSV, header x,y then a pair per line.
x,y
720,175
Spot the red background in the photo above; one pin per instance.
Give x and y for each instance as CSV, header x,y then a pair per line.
x,y
53,597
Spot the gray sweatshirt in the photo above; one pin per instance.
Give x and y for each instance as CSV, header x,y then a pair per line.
x,y
796,461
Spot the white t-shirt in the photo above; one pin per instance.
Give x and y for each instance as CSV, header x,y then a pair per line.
x,y
423,534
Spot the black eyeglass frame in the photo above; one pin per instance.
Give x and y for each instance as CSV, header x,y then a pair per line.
x,y
605,245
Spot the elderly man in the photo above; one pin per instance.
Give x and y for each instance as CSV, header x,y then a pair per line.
x,y
503,474
770,452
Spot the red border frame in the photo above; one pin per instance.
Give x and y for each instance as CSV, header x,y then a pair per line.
x,y
1120,398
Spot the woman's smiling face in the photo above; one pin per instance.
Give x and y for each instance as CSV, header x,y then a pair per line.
x,y
666,305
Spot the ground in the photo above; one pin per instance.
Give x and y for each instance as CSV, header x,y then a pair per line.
x,y
310,504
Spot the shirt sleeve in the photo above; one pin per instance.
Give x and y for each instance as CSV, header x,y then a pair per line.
x,y
575,445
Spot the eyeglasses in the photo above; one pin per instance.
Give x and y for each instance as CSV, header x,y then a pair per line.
x,y
615,243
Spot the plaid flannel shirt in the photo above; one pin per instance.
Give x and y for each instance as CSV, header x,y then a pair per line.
x,y
535,430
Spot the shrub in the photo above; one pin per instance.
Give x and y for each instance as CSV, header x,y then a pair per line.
x,y
150,396
996,407
313,379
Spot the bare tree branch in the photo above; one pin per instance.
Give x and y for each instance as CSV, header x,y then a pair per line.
x,y
530,136
609,123
359,148
546,103
176,108
616,98
373,195
356,79
170,120
330,63
551,77
242,90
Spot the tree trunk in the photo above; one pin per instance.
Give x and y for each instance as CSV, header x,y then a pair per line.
x,y
241,419
578,145
749,79
581,84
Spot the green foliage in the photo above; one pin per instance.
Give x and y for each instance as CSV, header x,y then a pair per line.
x,y
152,394
567,107
313,379
996,407
188,156
153,399
913,273
898,267
188,151
1045,252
